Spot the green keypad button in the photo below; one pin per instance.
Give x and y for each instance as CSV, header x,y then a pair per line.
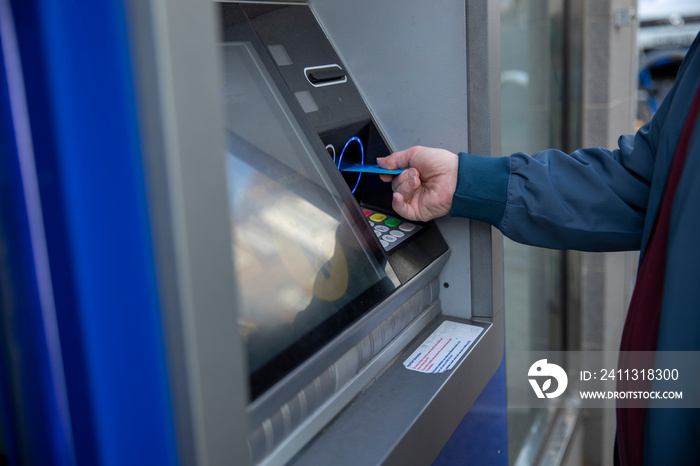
x,y
392,222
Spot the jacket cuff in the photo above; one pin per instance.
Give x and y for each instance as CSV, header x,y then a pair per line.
x,y
482,188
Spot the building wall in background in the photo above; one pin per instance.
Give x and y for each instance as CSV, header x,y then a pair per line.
x,y
604,281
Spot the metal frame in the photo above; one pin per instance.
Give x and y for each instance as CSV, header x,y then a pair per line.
x,y
174,42
483,72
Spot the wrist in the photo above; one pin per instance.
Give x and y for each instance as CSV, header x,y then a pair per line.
x,y
482,187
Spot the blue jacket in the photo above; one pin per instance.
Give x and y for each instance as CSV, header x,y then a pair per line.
x,y
606,200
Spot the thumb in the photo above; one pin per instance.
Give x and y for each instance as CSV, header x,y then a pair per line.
x,y
402,208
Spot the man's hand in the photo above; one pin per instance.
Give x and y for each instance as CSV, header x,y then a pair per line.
x,y
424,191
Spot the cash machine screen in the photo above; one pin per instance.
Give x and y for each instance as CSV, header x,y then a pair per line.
x,y
305,271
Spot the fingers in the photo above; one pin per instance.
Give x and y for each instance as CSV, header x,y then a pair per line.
x,y
387,162
400,159
424,190
399,179
402,208
406,183
393,162
399,204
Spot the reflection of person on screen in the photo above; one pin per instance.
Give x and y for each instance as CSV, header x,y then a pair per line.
x,y
337,285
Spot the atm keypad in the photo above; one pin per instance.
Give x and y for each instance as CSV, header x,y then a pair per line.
x,y
390,231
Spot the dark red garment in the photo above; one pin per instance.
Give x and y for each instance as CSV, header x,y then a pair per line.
x,y
644,315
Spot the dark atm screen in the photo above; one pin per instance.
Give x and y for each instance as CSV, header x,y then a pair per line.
x,y
305,270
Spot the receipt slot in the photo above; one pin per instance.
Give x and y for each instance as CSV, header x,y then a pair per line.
x,y
307,322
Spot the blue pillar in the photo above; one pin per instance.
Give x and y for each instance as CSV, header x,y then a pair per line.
x,y
87,360
481,437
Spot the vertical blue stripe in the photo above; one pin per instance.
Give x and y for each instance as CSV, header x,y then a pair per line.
x,y
110,319
482,436
34,419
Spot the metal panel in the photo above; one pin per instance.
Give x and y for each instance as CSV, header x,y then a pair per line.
x,y
178,79
408,59
483,76
455,279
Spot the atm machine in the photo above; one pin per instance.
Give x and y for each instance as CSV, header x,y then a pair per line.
x,y
302,320
334,292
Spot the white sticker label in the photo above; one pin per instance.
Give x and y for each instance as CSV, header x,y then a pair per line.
x,y
442,350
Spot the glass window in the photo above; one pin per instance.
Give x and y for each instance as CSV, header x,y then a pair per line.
x,y
532,77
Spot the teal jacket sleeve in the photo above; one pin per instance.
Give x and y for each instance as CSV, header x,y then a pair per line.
x,y
592,199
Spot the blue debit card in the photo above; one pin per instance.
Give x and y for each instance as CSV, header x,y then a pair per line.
x,y
371,169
